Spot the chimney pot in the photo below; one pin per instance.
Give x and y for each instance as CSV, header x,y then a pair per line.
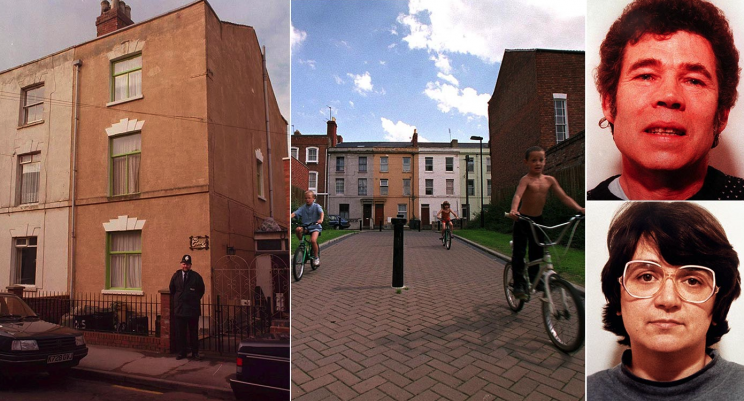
x,y
105,6
113,17
128,11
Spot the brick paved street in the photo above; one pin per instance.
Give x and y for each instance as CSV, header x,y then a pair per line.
x,y
451,336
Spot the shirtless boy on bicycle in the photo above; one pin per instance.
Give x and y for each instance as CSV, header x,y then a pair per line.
x,y
532,192
444,215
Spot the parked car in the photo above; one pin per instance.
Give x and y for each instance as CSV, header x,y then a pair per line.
x,y
262,370
337,221
30,345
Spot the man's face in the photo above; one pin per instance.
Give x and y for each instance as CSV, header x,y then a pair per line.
x,y
667,98
536,162
185,266
309,199
664,322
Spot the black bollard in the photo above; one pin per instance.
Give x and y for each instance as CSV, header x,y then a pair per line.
x,y
398,252
380,225
360,225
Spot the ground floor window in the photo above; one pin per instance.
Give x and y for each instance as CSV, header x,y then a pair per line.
x,y
403,211
25,260
125,260
343,210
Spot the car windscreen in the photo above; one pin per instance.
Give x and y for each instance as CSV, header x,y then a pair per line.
x,y
11,306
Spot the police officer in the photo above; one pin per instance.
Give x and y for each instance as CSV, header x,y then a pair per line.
x,y
187,288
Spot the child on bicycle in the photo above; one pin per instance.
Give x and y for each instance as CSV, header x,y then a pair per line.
x,y
444,215
532,192
310,212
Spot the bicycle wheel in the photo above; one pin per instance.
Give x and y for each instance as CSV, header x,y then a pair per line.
x,y
565,324
447,239
298,263
515,303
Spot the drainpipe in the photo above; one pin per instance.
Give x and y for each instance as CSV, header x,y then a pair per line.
x,y
77,64
268,134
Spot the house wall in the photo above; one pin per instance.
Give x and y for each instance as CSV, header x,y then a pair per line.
x,y
475,175
351,176
322,142
48,219
440,175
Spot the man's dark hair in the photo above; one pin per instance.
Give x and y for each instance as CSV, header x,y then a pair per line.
x,y
663,18
685,234
532,149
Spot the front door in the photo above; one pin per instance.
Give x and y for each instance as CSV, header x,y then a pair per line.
x,y
379,214
425,215
367,214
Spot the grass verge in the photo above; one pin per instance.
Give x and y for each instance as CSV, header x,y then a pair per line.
x,y
570,266
325,237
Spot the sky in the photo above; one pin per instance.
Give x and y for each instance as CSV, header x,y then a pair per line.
x,y
385,67
32,29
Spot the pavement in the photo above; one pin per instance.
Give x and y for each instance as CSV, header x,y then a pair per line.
x,y
450,335
128,366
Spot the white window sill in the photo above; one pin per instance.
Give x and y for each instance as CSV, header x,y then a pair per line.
x,y
28,287
122,292
31,124
261,198
114,103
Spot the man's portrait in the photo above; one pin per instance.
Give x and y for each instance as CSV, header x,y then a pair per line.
x,y
662,310
663,82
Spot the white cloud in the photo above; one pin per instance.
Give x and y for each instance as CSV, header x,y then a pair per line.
x,y
449,78
351,104
342,43
394,30
442,63
398,132
296,38
339,80
485,28
383,62
467,101
362,83
310,63
392,45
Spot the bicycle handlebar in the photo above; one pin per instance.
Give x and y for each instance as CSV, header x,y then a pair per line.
x,y
566,225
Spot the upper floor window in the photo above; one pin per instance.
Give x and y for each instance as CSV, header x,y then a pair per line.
x,y
383,187
32,104
259,178
339,186
406,187
295,152
449,164
470,164
25,272
561,121
311,155
30,171
428,164
362,164
488,164
406,164
126,152
450,189
488,188
339,164
429,187
127,78
125,259
362,187
312,181
383,164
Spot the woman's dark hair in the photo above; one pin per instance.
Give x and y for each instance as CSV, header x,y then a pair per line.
x,y
663,18
684,234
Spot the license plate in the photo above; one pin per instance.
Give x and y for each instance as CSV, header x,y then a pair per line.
x,y
59,358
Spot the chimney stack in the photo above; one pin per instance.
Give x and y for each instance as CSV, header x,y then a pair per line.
x,y
332,131
415,138
113,17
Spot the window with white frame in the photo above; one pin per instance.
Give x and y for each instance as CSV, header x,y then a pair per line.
x,y
311,155
406,164
295,152
488,164
362,164
127,78
561,119
339,186
449,164
25,272
488,187
125,260
471,187
430,187
383,187
29,172
340,164
450,189
126,153
384,164
428,164
259,178
32,104
406,187
343,210
312,181
470,164
403,211
362,187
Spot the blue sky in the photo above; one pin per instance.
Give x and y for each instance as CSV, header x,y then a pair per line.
x,y
32,29
386,67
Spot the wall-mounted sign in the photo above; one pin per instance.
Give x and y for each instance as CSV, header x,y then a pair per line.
x,y
199,242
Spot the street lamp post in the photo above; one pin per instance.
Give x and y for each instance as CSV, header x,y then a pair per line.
x,y
480,138
467,194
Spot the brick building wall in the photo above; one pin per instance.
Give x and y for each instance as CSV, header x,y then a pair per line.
x,y
322,142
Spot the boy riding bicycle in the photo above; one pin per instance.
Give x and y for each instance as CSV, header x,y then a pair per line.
x,y
532,191
310,212
444,215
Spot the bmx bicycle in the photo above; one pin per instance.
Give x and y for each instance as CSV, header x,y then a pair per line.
x,y
562,305
447,236
303,254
